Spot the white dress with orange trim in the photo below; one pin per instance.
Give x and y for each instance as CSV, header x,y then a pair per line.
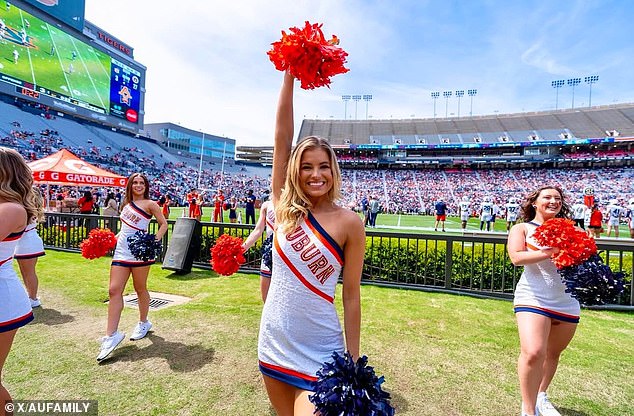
x,y
300,328
270,229
133,219
540,288
30,245
15,308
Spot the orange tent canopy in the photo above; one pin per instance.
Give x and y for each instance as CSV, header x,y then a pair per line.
x,y
64,168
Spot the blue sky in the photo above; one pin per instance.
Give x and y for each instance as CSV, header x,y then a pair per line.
x,y
208,69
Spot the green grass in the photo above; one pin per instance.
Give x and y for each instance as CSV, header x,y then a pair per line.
x,y
441,354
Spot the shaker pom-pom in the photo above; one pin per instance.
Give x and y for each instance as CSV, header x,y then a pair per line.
x,y
308,56
99,242
227,255
348,388
267,252
582,270
144,246
593,282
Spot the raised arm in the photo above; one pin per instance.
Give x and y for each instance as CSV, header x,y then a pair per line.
x,y
283,136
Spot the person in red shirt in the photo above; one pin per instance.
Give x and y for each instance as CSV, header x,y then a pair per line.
x,y
596,222
219,200
192,200
164,203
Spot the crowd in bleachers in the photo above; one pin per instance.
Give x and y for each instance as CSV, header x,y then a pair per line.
x,y
399,191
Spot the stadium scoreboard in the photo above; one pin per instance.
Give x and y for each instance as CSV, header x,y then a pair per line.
x,y
45,57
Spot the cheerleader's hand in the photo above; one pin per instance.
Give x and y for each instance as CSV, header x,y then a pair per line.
x,y
550,251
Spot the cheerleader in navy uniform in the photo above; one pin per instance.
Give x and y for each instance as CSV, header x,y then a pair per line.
x,y
16,207
546,315
135,216
314,239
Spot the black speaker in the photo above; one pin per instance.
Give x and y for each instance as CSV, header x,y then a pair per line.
x,y
183,246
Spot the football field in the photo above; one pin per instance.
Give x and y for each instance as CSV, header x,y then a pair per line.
x,y
36,52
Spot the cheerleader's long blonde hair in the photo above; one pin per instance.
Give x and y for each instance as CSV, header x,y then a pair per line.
x,y
294,204
16,181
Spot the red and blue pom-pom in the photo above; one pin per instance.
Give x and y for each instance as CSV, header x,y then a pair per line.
x,y
144,246
99,242
227,255
586,277
308,56
346,388
593,282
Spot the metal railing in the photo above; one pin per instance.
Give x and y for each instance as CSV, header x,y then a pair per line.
x,y
473,263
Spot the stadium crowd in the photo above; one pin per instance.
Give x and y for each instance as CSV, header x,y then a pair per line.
x,y
404,191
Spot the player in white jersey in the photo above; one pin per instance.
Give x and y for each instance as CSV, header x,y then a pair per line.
x,y
315,242
579,212
614,217
486,213
630,216
512,212
465,211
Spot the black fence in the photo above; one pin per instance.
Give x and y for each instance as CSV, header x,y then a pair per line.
x,y
473,263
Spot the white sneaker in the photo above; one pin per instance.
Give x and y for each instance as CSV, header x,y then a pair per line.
x,y
545,407
108,344
35,303
140,330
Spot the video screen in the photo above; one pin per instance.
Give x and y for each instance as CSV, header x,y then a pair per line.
x,y
39,58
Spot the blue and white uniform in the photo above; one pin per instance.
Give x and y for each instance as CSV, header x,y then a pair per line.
x,y
15,307
30,245
270,229
300,328
133,219
512,211
540,288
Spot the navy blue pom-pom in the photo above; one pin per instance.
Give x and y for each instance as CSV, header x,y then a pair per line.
x,y
267,252
346,388
144,246
593,282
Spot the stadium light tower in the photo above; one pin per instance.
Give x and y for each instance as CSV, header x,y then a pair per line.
x,y
356,99
573,82
446,94
471,93
367,98
200,166
556,85
459,94
434,96
345,99
591,80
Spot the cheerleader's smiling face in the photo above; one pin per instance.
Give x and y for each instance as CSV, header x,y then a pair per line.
x,y
548,203
138,187
315,173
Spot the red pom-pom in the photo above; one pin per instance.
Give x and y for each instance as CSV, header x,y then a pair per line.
x,y
574,245
227,255
308,56
99,242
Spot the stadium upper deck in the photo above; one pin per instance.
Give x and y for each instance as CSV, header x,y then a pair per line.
x,y
521,140
580,123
